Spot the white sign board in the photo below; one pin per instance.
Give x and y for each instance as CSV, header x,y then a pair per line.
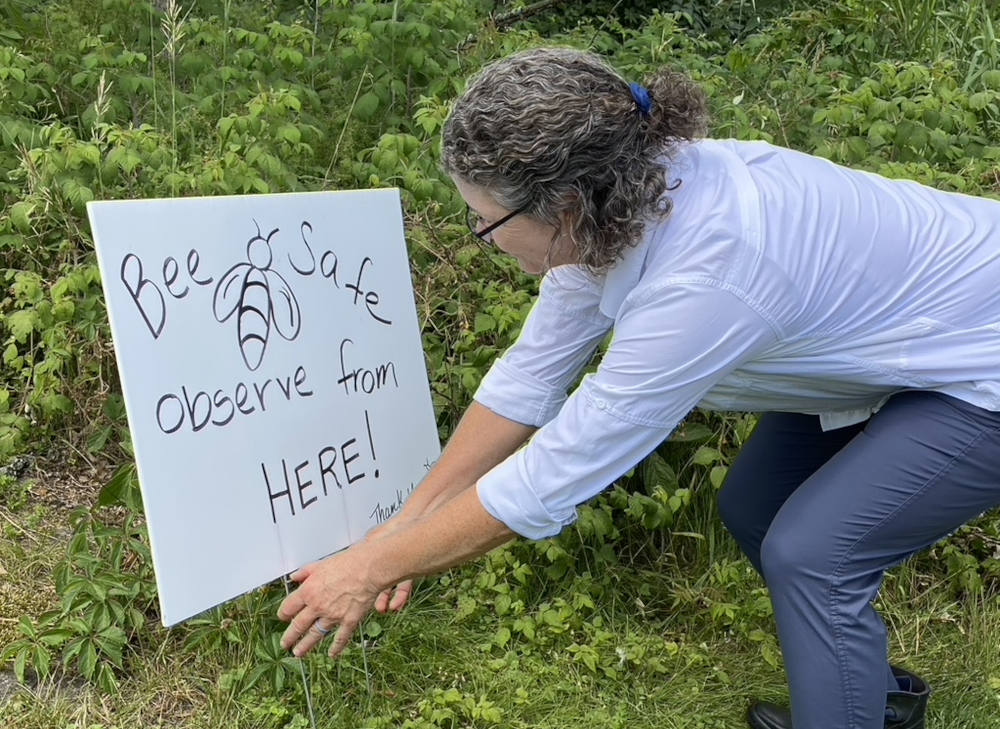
x,y
273,376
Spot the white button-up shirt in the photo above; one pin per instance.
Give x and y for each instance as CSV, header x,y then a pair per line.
x,y
779,281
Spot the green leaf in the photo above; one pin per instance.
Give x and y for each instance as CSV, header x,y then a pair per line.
x,y
225,125
26,628
111,641
71,651
22,324
705,456
691,432
717,476
858,147
42,661
387,160
502,604
20,215
261,652
991,79
98,590
90,154
980,100
484,323
526,626
656,472
552,618
769,654
290,133
415,58
106,680
98,440
278,677
117,489
366,106
55,637
466,254
88,660
53,403
20,663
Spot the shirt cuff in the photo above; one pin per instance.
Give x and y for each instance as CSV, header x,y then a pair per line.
x,y
536,490
507,504
519,396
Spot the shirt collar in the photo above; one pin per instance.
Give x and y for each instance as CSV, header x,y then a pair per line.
x,y
621,278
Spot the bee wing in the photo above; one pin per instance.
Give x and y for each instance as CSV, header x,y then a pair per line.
x,y
284,306
229,291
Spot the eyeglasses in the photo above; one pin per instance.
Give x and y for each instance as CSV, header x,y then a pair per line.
x,y
473,219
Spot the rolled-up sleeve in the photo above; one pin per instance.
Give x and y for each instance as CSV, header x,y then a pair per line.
x,y
529,382
672,344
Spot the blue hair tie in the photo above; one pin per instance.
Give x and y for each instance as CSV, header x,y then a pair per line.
x,y
641,96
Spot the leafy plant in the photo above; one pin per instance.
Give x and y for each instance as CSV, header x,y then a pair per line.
x,y
96,101
106,592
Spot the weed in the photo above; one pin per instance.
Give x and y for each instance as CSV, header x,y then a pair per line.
x,y
643,611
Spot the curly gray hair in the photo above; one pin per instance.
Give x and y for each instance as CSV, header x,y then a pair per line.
x,y
557,131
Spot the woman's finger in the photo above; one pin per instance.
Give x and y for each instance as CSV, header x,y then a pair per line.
x,y
291,606
301,623
302,572
342,638
316,632
403,591
382,601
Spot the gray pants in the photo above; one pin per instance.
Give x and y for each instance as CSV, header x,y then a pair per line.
x,y
822,515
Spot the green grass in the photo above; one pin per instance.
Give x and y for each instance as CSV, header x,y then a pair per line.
x,y
31,542
437,665
679,634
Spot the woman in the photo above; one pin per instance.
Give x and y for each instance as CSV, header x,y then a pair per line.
x,y
861,314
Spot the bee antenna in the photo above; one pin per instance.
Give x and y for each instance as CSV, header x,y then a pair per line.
x,y
270,234
258,227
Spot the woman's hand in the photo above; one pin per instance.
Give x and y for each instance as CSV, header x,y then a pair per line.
x,y
340,590
393,598
335,593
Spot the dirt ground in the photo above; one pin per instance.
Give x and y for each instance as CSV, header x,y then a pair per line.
x,y
38,497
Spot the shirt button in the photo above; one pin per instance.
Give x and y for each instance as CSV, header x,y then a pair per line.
x,y
601,405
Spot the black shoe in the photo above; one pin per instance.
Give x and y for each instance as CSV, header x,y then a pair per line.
x,y
904,709
765,715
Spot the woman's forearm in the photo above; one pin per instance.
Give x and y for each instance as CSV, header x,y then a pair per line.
x,y
457,531
482,440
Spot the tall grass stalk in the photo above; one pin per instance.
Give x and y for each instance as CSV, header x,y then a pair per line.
x,y
173,27
225,54
919,26
312,48
343,130
928,30
98,133
152,67
973,35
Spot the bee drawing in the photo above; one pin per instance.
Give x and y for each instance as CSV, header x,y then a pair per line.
x,y
260,297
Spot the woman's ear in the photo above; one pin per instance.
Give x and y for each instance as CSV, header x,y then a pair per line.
x,y
564,245
569,209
